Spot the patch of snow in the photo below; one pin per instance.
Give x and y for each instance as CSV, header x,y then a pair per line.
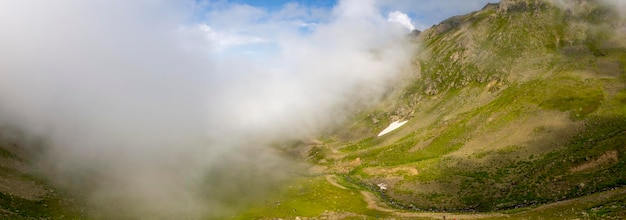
x,y
393,126
382,186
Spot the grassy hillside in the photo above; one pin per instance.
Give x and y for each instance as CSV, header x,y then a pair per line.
x,y
516,106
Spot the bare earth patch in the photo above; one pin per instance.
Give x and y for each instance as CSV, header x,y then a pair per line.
x,y
557,129
380,171
25,189
14,182
609,157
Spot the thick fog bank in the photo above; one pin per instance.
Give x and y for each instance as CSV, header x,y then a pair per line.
x,y
162,109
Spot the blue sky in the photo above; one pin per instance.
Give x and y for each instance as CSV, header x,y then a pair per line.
x,y
425,13
245,26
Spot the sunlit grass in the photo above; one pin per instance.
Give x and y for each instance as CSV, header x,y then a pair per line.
x,y
310,197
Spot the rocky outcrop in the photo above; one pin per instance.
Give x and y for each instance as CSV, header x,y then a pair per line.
x,y
507,6
447,25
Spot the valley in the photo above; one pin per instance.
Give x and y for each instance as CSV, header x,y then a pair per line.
x,y
515,111
512,111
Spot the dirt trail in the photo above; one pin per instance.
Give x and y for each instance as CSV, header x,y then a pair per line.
x,y
601,196
374,203
332,179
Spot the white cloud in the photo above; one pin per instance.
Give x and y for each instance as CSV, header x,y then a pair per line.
x,y
221,40
356,8
235,27
308,24
235,15
402,19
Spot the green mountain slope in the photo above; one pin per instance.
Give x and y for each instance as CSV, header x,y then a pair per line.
x,y
520,104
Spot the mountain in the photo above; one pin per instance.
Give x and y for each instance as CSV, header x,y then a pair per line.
x,y
517,106
517,110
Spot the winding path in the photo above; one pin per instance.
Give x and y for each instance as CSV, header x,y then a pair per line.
x,y
332,179
374,203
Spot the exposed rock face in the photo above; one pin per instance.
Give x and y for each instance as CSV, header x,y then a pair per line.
x,y
446,25
507,6
415,33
